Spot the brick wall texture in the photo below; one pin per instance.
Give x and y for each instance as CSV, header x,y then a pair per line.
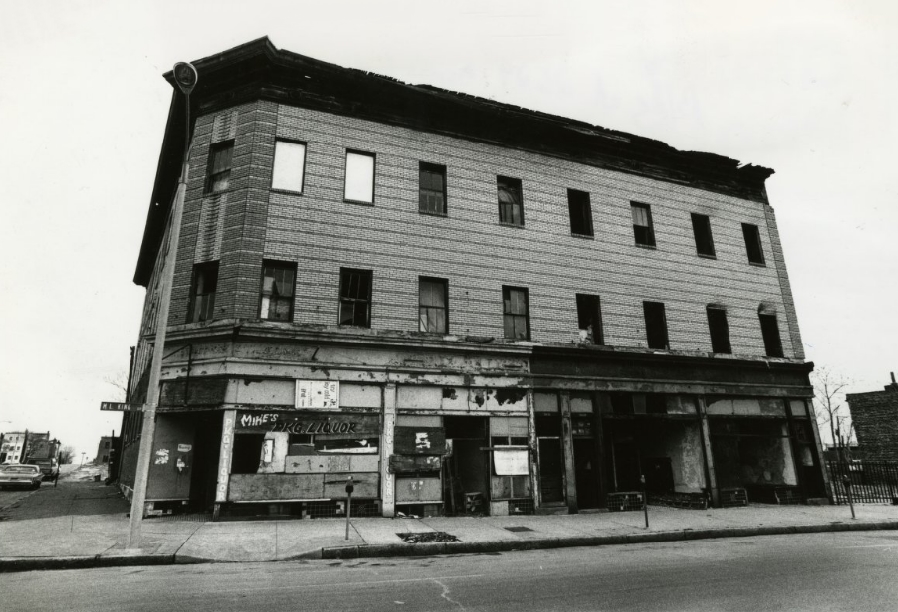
x,y
875,418
321,233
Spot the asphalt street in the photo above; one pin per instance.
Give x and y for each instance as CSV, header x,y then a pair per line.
x,y
800,572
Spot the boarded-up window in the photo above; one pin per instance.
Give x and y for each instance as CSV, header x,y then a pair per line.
x,y
359,179
289,166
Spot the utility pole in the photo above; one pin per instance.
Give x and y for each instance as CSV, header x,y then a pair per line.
x,y
185,78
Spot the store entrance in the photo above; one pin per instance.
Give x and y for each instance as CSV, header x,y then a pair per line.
x,y
468,466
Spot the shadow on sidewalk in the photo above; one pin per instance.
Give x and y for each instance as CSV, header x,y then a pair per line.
x,y
71,497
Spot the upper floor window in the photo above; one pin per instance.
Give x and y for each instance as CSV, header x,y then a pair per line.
x,y
511,200
753,243
202,294
218,170
770,331
432,189
433,310
643,231
289,166
516,309
278,289
589,318
355,297
580,212
719,328
704,242
359,179
655,325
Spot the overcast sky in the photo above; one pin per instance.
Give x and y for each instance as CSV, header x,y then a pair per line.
x,y
806,88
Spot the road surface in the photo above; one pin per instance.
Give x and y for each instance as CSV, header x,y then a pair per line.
x,y
800,572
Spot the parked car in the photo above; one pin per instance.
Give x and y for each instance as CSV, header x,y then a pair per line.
x,y
20,475
49,467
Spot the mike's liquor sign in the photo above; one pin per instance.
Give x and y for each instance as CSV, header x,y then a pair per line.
x,y
360,425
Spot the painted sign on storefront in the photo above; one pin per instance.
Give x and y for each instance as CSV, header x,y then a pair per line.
x,y
361,425
511,462
224,457
318,394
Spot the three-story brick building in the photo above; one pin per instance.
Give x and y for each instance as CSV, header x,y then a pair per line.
x,y
466,306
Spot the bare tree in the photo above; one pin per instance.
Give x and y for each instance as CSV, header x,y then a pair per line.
x,y
66,454
120,382
829,400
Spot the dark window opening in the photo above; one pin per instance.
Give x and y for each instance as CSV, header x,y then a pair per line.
x,y
580,212
771,332
655,325
655,403
704,242
621,403
753,243
432,189
589,318
278,288
643,230
202,296
517,313
547,425
720,329
218,170
511,200
433,310
247,453
355,297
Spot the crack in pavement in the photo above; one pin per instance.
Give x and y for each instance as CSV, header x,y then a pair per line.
x,y
445,594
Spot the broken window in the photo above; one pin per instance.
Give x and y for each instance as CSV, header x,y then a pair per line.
x,y
643,230
753,243
278,287
218,169
516,310
433,310
289,166
359,179
511,201
589,318
771,333
202,296
355,297
246,453
580,212
655,325
704,242
719,328
432,189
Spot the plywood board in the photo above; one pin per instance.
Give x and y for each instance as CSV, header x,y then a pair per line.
x,y
419,441
405,464
259,487
365,485
410,490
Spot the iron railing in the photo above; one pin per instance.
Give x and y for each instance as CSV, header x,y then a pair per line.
x,y
871,482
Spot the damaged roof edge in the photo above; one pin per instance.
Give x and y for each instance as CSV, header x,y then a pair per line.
x,y
259,70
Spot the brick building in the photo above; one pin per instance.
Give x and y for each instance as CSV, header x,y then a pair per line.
x,y
875,418
464,305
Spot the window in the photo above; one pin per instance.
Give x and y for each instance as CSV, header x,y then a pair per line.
x,y
278,288
516,310
701,227
355,297
589,318
719,328
771,332
642,224
289,166
580,212
655,325
753,243
202,296
433,311
218,171
432,189
511,201
359,180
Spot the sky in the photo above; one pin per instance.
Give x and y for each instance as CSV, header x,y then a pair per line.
x,y
805,88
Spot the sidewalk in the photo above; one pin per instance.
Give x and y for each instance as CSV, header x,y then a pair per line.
x,y
82,523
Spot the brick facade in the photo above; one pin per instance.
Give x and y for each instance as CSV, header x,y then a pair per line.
x,y
875,418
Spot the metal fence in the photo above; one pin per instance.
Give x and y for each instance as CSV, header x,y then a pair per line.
x,y
871,482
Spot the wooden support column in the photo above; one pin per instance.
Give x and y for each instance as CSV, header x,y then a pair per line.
x,y
567,447
599,429
534,450
710,472
387,479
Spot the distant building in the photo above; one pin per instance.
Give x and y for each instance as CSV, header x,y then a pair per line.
x,y
875,418
466,305
13,447
104,449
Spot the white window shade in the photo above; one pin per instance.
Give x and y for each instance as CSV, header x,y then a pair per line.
x,y
359,185
289,166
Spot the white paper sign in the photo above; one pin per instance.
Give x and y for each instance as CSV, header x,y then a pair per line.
x,y
318,394
511,462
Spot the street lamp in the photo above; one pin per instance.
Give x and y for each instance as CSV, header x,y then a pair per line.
x,y
82,459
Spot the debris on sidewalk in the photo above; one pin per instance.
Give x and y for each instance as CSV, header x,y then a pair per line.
x,y
430,536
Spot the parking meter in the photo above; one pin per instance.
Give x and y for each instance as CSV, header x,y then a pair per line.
x,y
349,489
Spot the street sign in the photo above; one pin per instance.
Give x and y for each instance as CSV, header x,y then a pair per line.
x,y
120,406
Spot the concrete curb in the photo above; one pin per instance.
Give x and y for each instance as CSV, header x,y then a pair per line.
x,y
400,549
425,549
